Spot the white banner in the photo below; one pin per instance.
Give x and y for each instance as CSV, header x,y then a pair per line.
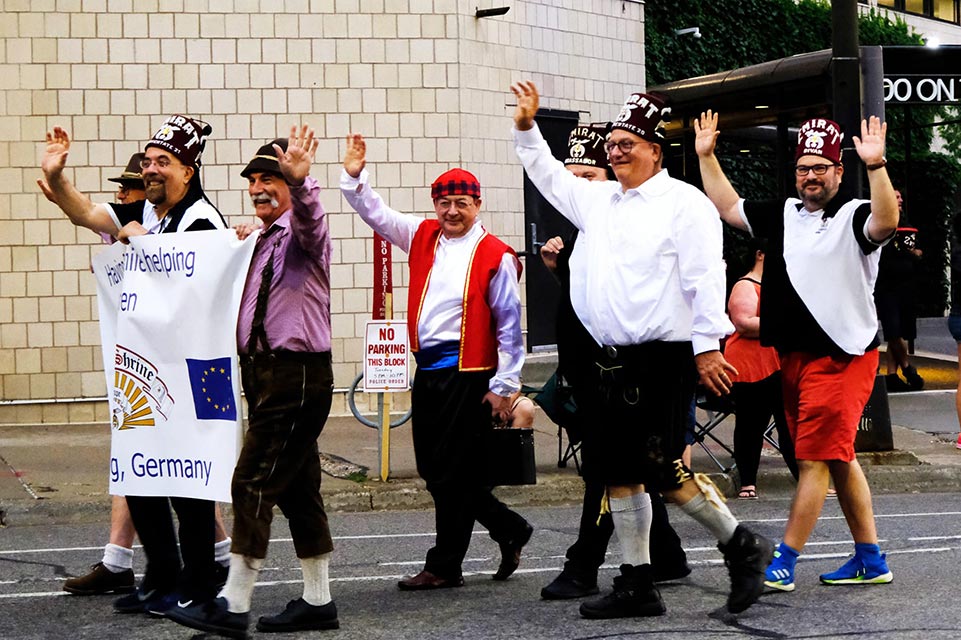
x,y
168,323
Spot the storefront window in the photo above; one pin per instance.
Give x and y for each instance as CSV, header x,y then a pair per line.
x,y
946,10
914,6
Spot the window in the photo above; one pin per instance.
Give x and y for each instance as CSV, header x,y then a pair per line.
x,y
947,10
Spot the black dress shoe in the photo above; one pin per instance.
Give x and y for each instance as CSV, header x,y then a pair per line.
x,y
212,616
567,587
426,580
511,553
301,616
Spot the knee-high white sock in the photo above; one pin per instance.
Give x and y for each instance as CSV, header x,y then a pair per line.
x,y
714,515
240,582
222,552
316,579
117,558
632,522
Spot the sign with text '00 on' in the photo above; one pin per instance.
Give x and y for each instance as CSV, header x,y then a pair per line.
x,y
386,357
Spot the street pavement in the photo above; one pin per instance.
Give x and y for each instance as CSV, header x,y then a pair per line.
x,y
56,473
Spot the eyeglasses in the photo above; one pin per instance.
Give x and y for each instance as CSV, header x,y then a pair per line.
x,y
818,169
162,162
625,146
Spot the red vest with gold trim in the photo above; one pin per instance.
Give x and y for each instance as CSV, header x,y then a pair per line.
x,y
480,352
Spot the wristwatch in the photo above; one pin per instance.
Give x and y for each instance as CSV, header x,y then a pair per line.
x,y
877,165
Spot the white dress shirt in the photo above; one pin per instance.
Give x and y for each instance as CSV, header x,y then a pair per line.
x,y
441,314
654,267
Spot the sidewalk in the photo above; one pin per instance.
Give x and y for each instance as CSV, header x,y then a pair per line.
x,y
57,474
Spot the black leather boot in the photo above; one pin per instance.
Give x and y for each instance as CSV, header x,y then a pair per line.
x,y
634,596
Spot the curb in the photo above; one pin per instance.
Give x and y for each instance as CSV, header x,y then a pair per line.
x,y
889,472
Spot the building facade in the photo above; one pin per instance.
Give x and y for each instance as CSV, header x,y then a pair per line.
x,y
425,81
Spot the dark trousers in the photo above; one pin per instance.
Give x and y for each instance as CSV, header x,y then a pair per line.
x,y
154,524
755,403
289,397
450,427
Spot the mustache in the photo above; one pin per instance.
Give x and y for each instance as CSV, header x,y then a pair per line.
x,y
809,183
264,199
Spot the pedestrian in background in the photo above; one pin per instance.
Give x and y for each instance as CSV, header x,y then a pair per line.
x,y
894,297
757,386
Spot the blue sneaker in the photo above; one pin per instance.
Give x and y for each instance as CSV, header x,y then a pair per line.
x,y
780,573
857,571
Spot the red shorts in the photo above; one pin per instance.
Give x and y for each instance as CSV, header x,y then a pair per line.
x,y
823,401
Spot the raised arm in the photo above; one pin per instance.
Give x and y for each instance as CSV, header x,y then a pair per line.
x,y
884,203
716,185
396,227
78,207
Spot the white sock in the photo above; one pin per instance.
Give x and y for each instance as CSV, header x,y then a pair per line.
x,y
714,515
222,552
632,522
117,558
240,582
316,579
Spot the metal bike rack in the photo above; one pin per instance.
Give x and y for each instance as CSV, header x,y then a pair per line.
x,y
361,417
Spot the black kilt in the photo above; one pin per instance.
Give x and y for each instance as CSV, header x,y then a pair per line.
x,y
638,405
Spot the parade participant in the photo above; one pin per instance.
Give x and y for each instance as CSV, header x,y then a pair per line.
x,y
818,312
464,320
586,158
651,291
175,202
283,336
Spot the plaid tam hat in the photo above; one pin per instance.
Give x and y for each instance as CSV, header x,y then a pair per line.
x,y
820,137
182,136
644,115
455,182
585,145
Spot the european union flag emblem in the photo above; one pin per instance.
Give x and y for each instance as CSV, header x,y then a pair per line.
x,y
212,389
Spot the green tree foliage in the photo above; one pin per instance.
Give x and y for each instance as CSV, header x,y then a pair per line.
x,y
739,33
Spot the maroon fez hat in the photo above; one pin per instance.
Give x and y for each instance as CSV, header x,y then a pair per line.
x,y
585,145
455,182
644,115
819,137
182,136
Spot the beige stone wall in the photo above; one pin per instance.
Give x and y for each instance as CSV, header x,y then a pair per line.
x,y
424,80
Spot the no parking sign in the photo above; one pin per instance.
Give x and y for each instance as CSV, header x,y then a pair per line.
x,y
386,356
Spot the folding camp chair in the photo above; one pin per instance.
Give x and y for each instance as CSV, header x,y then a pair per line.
x,y
717,410
565,452
770,435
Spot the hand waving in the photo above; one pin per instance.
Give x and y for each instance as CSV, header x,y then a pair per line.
x,y
55,156
355,159
528,102
295,163
870,146
705,134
